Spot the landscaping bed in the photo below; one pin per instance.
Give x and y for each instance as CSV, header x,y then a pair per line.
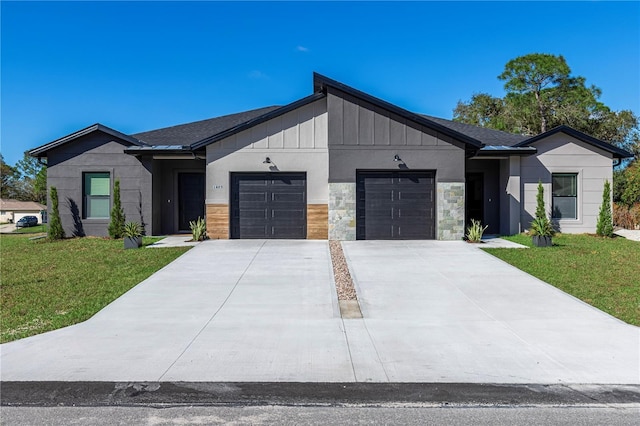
x,y
48,285
604,272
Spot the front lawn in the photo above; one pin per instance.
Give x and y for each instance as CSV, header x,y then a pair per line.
x,y
600,271
38,229
48,285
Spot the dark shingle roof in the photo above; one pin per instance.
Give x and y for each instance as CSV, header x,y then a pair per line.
x,y
186,134
487,136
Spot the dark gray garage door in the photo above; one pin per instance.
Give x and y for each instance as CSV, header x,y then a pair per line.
x,y
268,205
395,205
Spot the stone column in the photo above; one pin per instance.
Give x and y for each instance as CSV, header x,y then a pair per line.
x,y
450,211
342,211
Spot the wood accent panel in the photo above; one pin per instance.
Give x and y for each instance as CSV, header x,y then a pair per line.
x,y
218,221
317,221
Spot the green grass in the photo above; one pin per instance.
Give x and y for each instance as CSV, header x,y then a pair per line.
x,y
604,272
47,285
38,229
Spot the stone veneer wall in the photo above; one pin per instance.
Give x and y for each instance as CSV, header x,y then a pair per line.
x,y
342,211
450,219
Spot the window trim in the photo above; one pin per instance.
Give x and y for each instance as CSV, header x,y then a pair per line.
x,y
85,196
576,197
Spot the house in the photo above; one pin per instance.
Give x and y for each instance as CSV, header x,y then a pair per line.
x,y
13,210
337,164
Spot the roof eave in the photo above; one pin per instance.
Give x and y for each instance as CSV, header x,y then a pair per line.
x,y
258,120
42,150
617,152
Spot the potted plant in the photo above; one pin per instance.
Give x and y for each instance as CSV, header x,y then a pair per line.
x,y
132,235
542,231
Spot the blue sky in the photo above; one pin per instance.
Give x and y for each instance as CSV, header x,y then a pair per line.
x,y
145,65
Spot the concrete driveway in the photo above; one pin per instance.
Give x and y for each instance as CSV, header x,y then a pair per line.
x,y
266,311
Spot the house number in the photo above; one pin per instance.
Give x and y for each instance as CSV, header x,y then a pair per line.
x,y
217,186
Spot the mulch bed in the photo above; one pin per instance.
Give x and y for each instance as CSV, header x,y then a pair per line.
x,y
344,283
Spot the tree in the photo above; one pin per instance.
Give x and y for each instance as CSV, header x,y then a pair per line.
x,y
631,193
116,226
541,211
541,94
56,231
8,179
604,227
533,74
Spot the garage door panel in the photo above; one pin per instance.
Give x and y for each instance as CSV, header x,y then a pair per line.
x,y
268,205
395,205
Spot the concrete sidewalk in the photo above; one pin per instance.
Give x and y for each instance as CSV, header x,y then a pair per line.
x,y
266,311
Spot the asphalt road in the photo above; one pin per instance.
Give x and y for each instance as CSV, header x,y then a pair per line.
x,y
282,415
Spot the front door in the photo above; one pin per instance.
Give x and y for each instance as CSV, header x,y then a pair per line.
x,y
190,199
474,197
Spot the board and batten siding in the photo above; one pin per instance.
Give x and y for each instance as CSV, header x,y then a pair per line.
x,y
364,136
561,153
296,141
98,152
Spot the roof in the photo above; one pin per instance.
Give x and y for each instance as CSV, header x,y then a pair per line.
x,y
41,151
617,152
257,120
320,82
15,205
189,133
486,135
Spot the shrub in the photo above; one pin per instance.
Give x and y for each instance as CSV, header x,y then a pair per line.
x,y
604,227
626,217
541,225
475,231
198,229
631,193
56,231
116,226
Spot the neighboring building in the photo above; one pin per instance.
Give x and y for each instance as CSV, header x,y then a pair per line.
x,y
338,164
13,210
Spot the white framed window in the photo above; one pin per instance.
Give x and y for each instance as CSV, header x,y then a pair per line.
x,y
96,195
564,192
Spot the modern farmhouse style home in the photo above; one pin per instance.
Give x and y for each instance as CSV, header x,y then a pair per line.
x,y
338,164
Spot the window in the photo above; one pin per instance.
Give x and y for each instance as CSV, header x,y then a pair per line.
x,y
97,195
565,195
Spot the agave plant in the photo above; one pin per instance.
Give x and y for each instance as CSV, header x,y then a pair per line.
x,y
475,231
198,229
542,227
132,230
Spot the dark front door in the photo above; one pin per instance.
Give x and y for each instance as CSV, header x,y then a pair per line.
x,y
269,205
474,197
395,205
190,198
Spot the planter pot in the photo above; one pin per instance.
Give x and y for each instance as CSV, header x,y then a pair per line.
x,y
541,241
132,242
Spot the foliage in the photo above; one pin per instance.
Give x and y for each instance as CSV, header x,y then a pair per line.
x,y
631,193
581,265
541,225
56,231
52,284
604,227
541,94
27,181
626,217
475,231
198,229
116,226
132,230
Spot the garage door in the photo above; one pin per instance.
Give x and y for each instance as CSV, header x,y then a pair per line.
x,y
395,205
268,205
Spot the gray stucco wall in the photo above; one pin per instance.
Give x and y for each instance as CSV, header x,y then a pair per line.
x,y
365,137
98,152
561,153
295,142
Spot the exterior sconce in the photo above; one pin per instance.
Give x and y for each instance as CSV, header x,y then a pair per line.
x,y
396,158
267,161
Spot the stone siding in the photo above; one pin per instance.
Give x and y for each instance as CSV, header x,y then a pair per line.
x,y
342,211
450,210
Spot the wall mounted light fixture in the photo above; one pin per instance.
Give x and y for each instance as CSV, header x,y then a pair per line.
x,y
396,158
267,161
